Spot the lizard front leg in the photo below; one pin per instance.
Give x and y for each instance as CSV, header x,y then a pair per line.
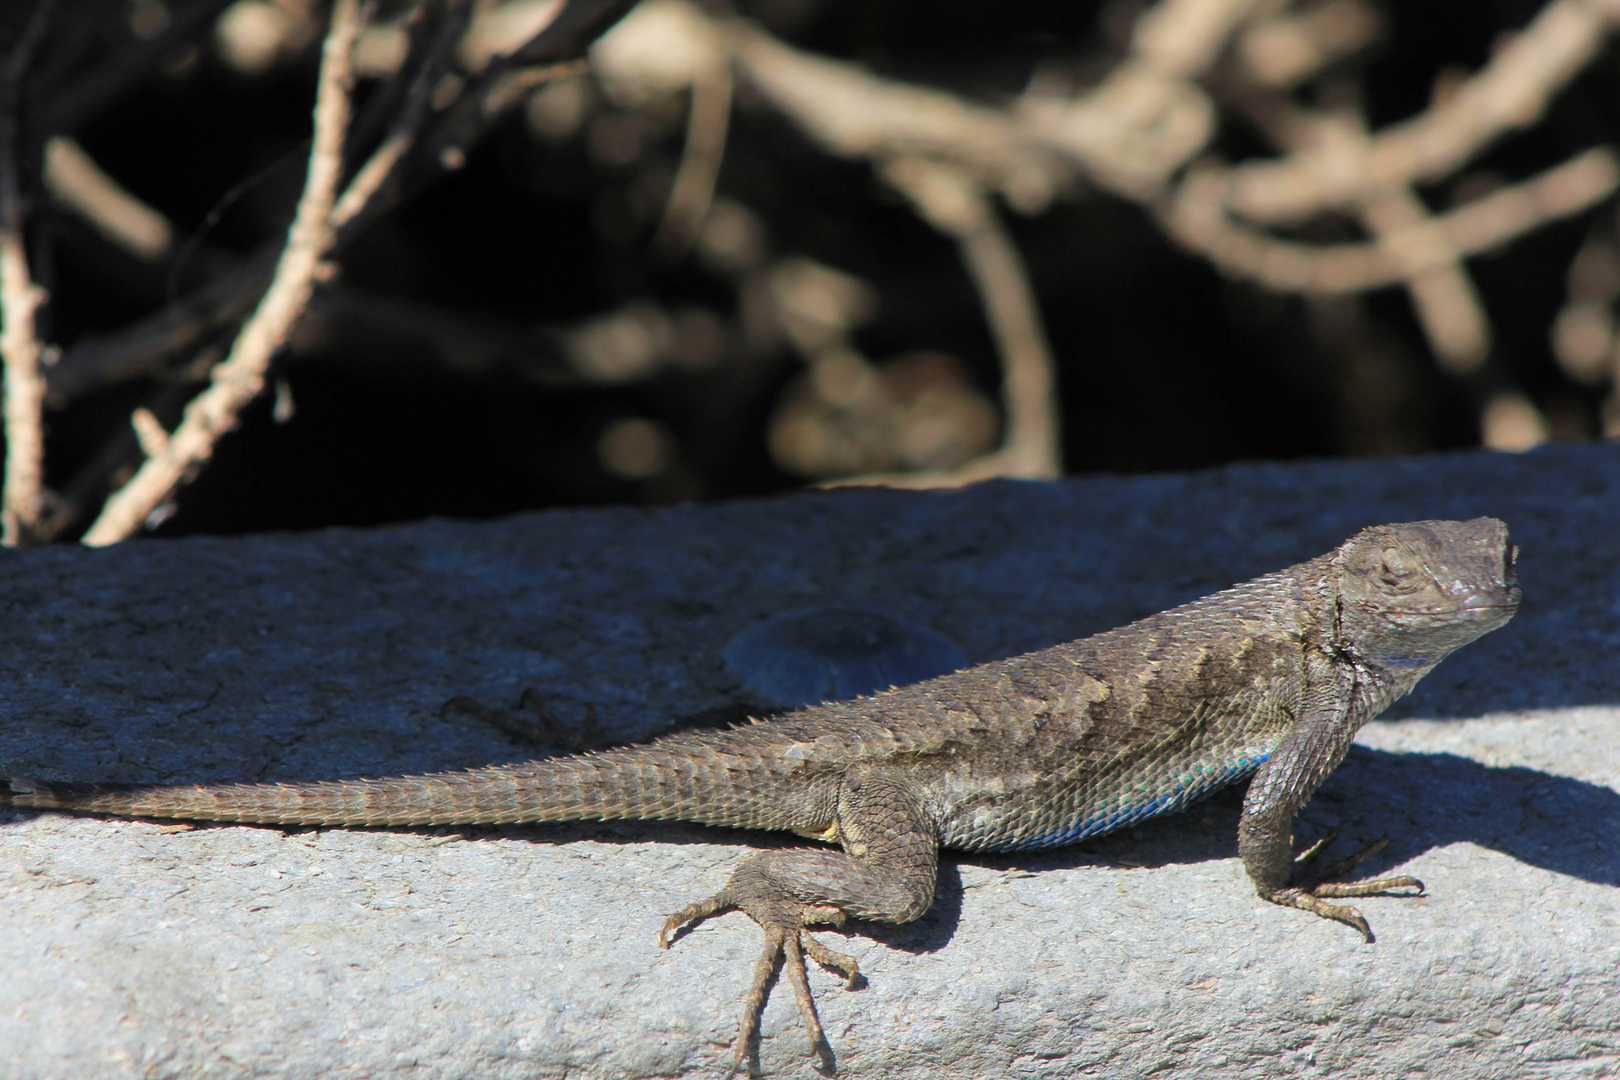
x,y
1317,744
886,872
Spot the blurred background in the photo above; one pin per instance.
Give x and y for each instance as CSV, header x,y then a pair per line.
x,y
750,247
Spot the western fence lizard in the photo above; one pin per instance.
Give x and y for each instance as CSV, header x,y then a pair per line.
x,y
1272,678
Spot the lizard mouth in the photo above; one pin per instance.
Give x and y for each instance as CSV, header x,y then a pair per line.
x,y
1509,604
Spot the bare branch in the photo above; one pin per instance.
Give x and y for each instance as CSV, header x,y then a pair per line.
x,y
239,379
74,177
1182,38
1512,92
958,207
1149,117
111,464
550,54
1447,303
1448,306
852,113
143,348
23,499
1195,215
408,122
1289,47
415,151
693,190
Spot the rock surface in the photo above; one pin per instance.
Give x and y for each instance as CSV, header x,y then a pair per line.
x,y
135,949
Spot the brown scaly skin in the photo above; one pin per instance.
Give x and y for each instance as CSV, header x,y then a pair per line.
x,y
1272,677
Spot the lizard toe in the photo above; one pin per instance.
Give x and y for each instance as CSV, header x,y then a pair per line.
x,y
696,911
1322,883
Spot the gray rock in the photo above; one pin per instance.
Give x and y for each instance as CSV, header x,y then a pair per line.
x,y
819,654
136,949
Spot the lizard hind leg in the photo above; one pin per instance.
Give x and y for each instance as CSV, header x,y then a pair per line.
x,y
886,872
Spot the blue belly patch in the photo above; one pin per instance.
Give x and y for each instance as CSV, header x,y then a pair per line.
x,y
1191,788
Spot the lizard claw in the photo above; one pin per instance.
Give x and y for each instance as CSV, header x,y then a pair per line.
x,y
1307,894
787,943
694,912
1322,884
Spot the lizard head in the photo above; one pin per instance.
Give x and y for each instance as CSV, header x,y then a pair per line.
x,y
1411,593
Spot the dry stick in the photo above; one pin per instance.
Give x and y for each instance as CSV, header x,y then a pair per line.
x,y
239,379
560,46
408,124
1285,48
1511,92
87,488
693,190
1149,117
957,206
1132,132
140,350
144,348
1031,448
22,500
855,114
1448,306
1195,215
79,183
484,99
1185,37
424,31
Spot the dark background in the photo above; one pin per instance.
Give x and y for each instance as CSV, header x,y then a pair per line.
x,y
1163,363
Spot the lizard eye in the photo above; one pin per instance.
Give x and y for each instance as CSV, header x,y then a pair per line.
x,y
1397,567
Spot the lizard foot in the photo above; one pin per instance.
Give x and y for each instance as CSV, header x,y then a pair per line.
x,y
787,942
1308,894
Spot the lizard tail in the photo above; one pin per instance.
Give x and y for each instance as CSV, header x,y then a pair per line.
x,y
633,782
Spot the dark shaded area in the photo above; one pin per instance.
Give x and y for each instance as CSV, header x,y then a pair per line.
x,y
1164,364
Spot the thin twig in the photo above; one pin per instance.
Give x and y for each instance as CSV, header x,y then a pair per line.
x,y
143,349
953,203
693,190
1150,116
1511,92
74,178
495,89
239,379
1195,215
111,464
853,113
1448,306
408,122
23,499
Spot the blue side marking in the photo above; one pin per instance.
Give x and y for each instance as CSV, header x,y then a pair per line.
x,y
1190,790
